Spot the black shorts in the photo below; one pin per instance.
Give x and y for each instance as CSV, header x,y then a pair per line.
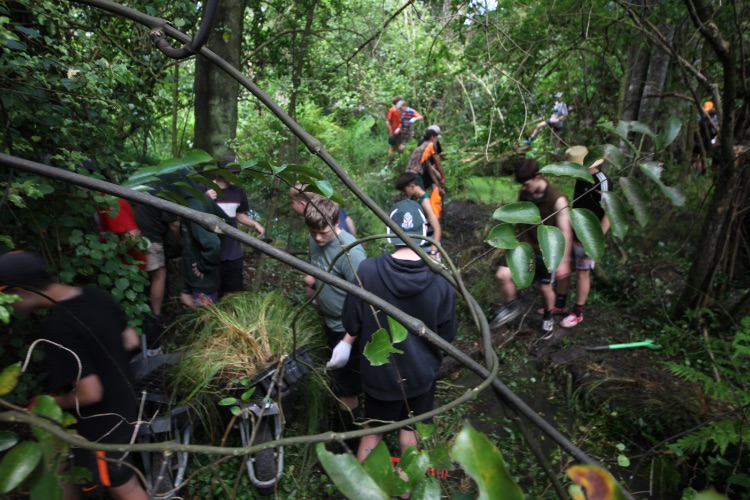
x,y
394,141
112,472
232,275
392,411
556,126
346,381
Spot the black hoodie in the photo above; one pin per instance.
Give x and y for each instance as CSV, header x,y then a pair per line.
x,y
417,291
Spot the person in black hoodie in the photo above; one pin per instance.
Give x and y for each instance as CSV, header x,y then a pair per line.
x,y
405,385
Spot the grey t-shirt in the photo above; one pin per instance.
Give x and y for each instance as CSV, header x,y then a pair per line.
x,y
331,299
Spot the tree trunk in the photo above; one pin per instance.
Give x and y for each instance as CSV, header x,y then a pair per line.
x,y
638,61
216,92
654,85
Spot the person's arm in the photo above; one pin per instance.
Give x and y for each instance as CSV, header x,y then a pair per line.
x,y
439,168
87,391
417,116
130,339
562,221
350,224
437,231
245,219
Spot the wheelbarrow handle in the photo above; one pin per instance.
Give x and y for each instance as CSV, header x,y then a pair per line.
x,y
643,343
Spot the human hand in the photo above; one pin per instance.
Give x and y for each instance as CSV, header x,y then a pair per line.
x,y
196,271
412,120
340,355
211,194
397,131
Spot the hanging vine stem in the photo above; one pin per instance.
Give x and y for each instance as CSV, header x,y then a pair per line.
x,y
213,223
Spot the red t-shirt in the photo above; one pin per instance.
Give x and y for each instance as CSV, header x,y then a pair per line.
x,y
394,119
121,224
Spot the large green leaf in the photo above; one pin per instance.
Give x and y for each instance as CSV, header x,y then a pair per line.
x,y
611,154
653,171
349,476
589,231
414,463
552,244
51,446
615,209
567,169
188,160
398,332
8,439
621,131
521,263
45,486
519,212
503,236
378,349
669,134
18,463
483,462
637,198
378,466
427,489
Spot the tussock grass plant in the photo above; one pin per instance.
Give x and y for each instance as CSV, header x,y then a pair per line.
x,y
237,339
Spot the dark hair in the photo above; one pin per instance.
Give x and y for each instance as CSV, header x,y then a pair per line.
x,y
321,212
526,169
406,179
396,99
227,159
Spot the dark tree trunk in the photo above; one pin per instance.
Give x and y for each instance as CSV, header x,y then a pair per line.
x,y
216,92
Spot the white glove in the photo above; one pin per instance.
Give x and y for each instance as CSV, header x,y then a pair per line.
x,y
340,355
412,120
397,131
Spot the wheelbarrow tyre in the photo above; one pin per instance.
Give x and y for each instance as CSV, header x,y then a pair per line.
x,y
265,461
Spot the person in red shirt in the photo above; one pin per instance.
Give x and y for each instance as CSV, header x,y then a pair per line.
x,y
393,121
122,223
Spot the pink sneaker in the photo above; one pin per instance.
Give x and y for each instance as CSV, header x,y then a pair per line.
x,y
571,320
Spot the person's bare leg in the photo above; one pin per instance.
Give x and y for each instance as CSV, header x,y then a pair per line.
x,y
407,438
348,402
367,444
505,283
583,286
132,490
548,296
158,286
538,129
563,285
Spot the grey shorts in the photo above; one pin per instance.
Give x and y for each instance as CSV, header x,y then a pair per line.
x,y
155,258
583,261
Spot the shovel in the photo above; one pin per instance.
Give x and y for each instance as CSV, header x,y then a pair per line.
x,y
577,351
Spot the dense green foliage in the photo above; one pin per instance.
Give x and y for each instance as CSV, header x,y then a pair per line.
x,y
83,90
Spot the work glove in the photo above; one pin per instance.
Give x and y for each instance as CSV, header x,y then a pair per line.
x,y
340,355
412,120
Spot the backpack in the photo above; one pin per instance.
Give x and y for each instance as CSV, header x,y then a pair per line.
x,y
415,164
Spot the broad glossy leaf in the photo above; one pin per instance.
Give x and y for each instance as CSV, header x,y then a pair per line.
x,y
18,463
264,178
191,190
8,439
615,210
208,183
426,430
483,462
377,350
173,197
610,153
414,463
349,476
9,378
277,170
427,489
310,173
598,483
521,263
552,244
325,187
567,169
398,332
653,171
188,160
709,495
621,131
589,231
229,176
519,212
503,236
640,128
637,198
51,446
669,134
45,486
378,466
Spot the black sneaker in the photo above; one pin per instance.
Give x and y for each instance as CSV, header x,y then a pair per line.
x,y
507,313
548,328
